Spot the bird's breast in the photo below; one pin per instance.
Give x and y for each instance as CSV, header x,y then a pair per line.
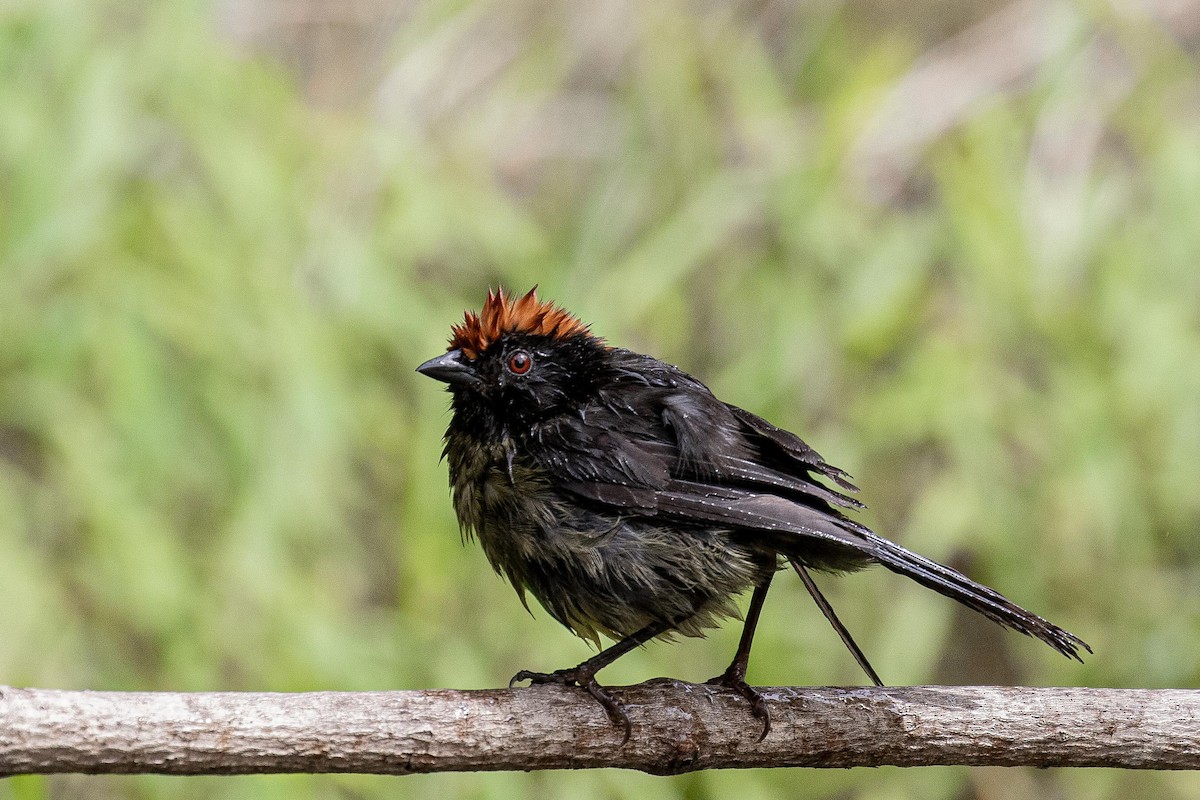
x,y
499,498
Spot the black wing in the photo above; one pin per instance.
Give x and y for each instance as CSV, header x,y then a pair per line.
x,y
658,444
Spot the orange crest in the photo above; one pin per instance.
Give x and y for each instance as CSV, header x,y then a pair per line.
x,y
502,314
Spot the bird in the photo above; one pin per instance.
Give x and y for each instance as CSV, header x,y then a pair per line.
x,y
632,503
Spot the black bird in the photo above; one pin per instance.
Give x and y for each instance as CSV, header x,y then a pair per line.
x,y
633,503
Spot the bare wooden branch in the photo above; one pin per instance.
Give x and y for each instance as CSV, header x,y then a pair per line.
x,y
677,727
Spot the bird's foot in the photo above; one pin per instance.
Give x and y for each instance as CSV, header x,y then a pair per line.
x,y
585,679
736,680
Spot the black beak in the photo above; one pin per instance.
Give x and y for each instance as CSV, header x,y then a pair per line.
x,y
450,368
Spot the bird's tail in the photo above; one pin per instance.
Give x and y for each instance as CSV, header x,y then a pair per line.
x,y
976,596
832,616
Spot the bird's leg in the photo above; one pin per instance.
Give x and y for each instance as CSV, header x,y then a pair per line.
x,y
584,675
735,676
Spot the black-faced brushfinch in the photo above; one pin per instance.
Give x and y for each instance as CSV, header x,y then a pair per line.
x,y
633,503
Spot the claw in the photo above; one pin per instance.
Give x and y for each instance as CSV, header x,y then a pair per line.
x,y
616,712
758,704
524,675
584,680
562,677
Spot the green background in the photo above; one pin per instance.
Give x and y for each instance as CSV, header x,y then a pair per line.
x,y
967,270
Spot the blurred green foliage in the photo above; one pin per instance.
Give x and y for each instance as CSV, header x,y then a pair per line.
x,y
219,471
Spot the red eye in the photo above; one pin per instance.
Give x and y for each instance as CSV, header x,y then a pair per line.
x,y
519,362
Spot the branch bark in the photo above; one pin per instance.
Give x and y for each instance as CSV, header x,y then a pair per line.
x,y
677,727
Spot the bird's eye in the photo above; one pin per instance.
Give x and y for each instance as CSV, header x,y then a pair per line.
x,y
519,362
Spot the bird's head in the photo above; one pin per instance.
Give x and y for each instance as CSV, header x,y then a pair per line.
x,y
518,361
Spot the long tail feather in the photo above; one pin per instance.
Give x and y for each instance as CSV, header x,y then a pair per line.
x,y
976,596
827,610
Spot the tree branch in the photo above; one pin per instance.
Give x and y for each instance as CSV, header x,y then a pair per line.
x,y
677,727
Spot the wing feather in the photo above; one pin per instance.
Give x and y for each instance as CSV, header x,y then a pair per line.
x,y
698,462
